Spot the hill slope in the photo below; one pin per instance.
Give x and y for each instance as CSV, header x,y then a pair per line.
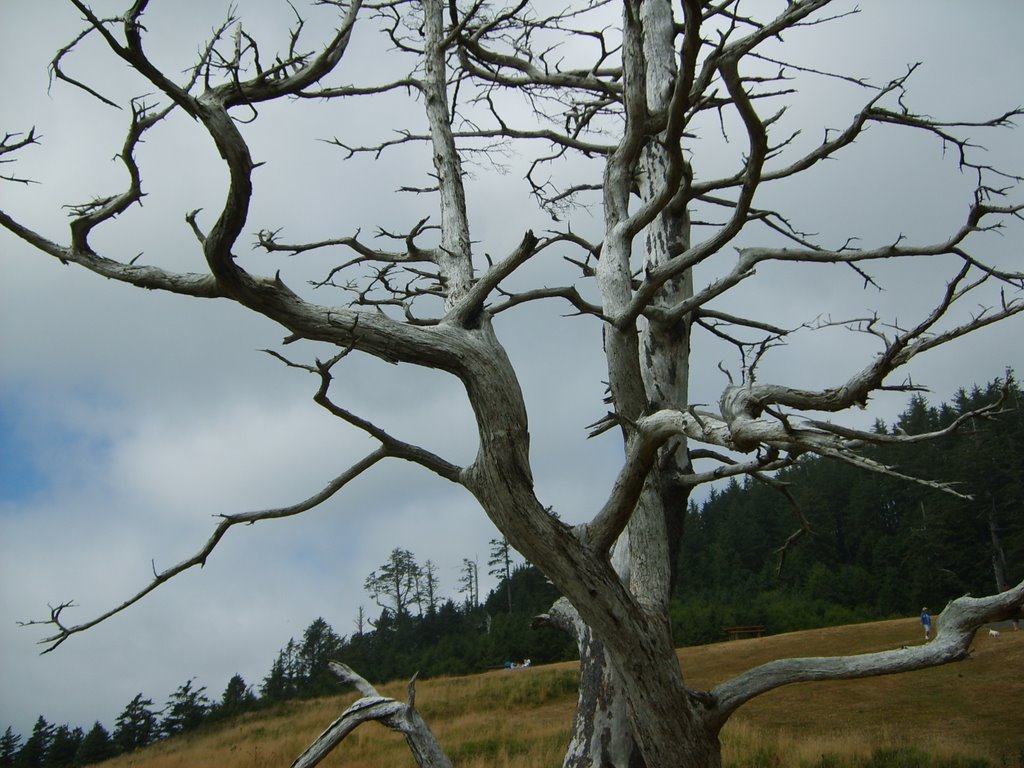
x,y
521,718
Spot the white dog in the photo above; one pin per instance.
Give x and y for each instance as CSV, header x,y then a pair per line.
x,y
993,633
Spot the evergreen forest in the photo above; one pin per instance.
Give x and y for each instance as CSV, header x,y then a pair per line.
x,y
820,543
824,543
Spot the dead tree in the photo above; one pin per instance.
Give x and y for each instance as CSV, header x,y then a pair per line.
x,y
625,100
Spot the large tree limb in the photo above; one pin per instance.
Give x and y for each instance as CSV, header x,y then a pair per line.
x,y
985,412
142,276
957,625
746,427
372,332
569,293
749,258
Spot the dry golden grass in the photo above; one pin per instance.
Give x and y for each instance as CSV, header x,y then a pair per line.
x,y
974,707
521,719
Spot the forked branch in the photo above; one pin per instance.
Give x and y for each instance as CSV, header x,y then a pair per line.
x,y
12,142
397,716
744,425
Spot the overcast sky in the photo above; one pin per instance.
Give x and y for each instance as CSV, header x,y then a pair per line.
x,y
129,419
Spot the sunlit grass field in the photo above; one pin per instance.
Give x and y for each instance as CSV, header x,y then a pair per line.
x,y
964,715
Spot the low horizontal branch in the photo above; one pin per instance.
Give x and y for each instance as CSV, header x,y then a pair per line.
x,y
957,625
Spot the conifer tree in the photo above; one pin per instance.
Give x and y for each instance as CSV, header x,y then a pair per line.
x,y
63,747
360,621
393,584
500,563
185,709
320,645
426,587
136,726
283,679
10,743
469,583
36,746
96,746
237,698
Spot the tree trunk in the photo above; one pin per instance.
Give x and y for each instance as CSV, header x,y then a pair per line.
x,y
666,720
650,376
601,737
998,554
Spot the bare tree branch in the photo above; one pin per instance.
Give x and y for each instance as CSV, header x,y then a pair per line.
x,y
397,716
54,641
12,142
957,624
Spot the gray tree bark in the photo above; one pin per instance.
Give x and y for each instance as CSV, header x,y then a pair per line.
x,y
373,707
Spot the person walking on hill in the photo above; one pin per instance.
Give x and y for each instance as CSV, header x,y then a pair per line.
x,y
926,622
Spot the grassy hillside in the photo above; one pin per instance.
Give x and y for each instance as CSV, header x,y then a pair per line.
x,y
965,714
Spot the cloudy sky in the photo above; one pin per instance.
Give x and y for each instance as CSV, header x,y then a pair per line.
x,y
129,419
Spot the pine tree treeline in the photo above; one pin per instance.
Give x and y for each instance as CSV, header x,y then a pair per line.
x,y
444,639
875,546
437,638
872,547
